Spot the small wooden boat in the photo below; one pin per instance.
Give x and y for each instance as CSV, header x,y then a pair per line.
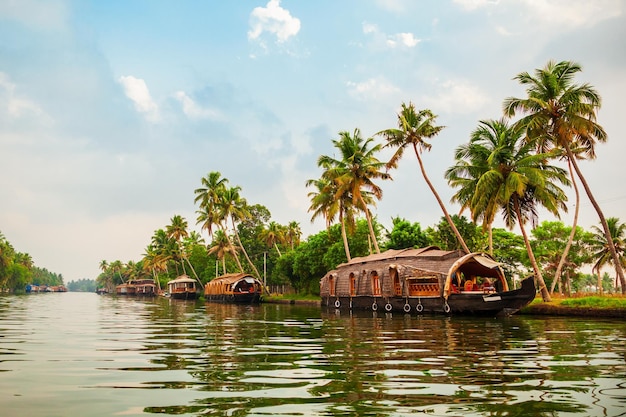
x,y
183,288
424,280
234,288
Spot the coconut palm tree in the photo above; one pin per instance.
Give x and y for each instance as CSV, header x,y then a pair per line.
x,y
600,247
221,247
325,204
232,206
355,172
210,197
414,127
293,234
558,113
512,179
274,234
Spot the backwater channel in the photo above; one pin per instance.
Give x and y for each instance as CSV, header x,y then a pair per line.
x,y
77,354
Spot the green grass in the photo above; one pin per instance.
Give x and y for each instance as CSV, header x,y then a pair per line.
x,y
595,302
592,301
295,297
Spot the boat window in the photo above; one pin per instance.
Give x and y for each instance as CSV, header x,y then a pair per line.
x,y
376,284
352,284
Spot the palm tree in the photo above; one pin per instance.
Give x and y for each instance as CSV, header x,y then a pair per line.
x,y
324,203
274,234
601,250
512,179
355,172
293,234
221,247
210,199
561,114
414,127
232,206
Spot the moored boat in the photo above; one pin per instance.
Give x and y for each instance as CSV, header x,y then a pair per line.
x,y
425,280
234,288
183,288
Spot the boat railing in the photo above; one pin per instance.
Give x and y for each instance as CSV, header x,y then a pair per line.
x,y
419,288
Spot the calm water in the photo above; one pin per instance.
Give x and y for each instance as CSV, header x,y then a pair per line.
x,y
79,354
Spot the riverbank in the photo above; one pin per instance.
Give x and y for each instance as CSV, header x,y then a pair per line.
x,y
561,307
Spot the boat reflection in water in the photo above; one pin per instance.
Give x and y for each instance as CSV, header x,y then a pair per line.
x,y
425,280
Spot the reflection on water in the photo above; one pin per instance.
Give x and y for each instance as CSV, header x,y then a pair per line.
x,y
88,355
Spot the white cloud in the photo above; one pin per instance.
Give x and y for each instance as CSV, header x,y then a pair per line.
x,y
193,110
17,106
374,88
273,19
398,40
38,14
572,13
137,90
457,97
475,4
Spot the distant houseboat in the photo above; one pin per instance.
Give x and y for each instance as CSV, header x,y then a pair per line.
x,y
424,280
183,288
234,288
138,287
31,288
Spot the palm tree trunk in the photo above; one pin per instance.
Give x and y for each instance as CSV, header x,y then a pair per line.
x,y
258,276
557,273
605,226
443,207
344,236
491,239
545,294
277,250
368,216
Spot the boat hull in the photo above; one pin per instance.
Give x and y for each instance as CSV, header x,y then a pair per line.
x,y
473,303
187,295
246,298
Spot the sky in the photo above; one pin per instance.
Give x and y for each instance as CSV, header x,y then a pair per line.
x,y
111,112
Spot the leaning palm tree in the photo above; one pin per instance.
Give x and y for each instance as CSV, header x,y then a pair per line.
x,y
232,206
325,204
210,197
601,250
559,113
512,179
414,127
355,172
221,247
273,235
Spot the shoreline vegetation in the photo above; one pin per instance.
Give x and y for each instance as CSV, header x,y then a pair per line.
x,y
610,306
504,170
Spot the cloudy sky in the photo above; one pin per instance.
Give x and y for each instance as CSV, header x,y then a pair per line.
x,y
112,111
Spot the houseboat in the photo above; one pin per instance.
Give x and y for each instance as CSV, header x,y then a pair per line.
x,y
138,287
234,288
425,280
183,288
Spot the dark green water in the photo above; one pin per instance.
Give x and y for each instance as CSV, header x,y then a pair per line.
x,y
85,355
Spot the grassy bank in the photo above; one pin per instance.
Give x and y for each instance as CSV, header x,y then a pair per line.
x,y
593,306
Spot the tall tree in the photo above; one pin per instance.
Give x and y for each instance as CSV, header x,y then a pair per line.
x,y
515,180
355,172
232,206
210,199
414,128
601,250
325,204
558,113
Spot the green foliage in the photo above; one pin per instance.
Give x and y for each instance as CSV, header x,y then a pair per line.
x,y
406,235
508,248
444,237
82,285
